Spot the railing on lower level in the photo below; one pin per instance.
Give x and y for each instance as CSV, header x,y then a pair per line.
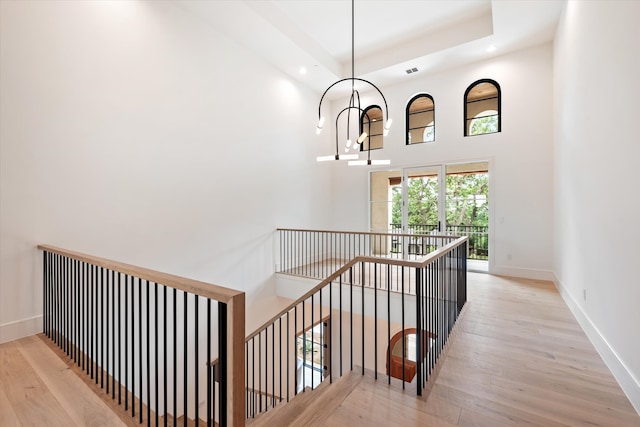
x,y
318,253
148,339
478,237
347,321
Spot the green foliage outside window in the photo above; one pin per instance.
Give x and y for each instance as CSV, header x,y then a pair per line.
x,y
467,200
482,125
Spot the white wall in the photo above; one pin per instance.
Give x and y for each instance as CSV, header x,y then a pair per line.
x,y
521,175
596,69
130,130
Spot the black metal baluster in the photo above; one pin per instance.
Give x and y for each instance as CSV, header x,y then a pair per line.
x,y
74,310
120,339
101,330
403,334
419,360
84,306
126,342
260,371
92,333
210,383
351,314
196,339
322,343
185,356
133,349
107,334
362,312
311,330
113,334
340,321
246,379
288,351
295,331
253,376
304,347
389,322
273,364
224,354
166,349
65,304
156,355
175,357
45,293
54,298
280,352
148,363
330,346
140,349
375,319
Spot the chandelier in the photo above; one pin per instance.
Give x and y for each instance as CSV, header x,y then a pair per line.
x,y
354,106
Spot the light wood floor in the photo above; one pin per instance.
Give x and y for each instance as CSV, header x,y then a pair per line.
x,y
517,358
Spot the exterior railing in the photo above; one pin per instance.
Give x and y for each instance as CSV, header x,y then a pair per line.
x,y
347,321
478,237
147,338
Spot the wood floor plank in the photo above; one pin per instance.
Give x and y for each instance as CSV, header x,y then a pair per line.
x,y
375,410
31,400
8,417
83,408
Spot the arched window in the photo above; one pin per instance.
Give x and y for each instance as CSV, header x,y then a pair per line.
x,y
420,119
482,113
371,123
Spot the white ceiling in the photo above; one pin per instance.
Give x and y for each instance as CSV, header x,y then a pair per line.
x,y
391,36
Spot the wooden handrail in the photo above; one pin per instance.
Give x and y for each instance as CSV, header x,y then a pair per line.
x,y
372,233
207,290
419,263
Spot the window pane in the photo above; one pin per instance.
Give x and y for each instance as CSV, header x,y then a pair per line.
x,y
372,124
420,120
482,108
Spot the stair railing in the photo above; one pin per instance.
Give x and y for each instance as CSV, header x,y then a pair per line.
x,y
147,338
346,322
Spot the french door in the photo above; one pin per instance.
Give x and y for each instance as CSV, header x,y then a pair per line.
x,y
434,199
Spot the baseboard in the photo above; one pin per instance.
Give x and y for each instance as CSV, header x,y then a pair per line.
x,y
629,384
524,273
20,329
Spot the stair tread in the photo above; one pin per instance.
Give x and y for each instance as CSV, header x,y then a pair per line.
x,y
312,405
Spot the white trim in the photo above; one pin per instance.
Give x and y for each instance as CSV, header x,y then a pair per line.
x,y
20,328
524,273
627,381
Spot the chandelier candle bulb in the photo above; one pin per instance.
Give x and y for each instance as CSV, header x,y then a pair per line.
x,y
362,137
325,158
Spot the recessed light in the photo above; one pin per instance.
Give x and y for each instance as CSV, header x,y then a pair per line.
x,y
303,70
491,48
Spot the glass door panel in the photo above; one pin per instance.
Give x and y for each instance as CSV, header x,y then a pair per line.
x,y
422,213
386,209
467,206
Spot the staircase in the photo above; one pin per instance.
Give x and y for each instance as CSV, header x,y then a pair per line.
x,y
311,407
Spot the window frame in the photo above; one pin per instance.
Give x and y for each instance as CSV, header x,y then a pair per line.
x,y
369,135
407,118
466,121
